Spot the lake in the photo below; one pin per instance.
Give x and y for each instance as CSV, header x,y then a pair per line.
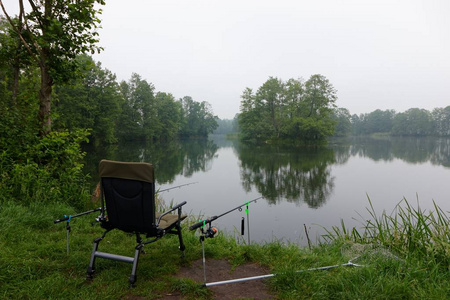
x,y
312,187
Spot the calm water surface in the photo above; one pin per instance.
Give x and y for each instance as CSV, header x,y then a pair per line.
x,y
302,186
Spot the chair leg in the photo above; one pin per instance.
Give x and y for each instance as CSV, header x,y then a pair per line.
x,y
180,239
133,276
91,267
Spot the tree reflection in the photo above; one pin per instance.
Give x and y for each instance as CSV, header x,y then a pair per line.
x,y
198,155
287,173
378,149
409,149
169,158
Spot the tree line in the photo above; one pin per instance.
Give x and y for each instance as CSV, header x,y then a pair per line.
x,y
129,110
298,110
412,122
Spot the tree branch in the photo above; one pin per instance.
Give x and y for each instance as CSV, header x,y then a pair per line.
x,y
36,11
14,27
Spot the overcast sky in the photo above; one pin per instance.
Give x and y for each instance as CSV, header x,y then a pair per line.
x,y
386,54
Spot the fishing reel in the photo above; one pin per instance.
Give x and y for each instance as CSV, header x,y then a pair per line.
x,y
210,232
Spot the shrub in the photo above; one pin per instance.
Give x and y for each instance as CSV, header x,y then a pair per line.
x,y
48,170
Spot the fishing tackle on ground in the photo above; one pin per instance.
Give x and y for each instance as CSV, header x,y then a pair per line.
x,y
363,256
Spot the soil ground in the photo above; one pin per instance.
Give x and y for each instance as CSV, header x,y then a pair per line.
x,y
220,270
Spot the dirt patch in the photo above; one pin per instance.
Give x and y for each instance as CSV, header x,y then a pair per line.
x,y
220,270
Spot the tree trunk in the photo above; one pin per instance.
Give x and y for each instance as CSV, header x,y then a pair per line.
x,y
45,100
16,75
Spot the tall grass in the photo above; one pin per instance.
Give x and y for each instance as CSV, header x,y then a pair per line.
x,y
407,230
34,263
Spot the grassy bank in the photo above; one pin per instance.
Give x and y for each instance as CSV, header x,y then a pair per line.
x,y
405,255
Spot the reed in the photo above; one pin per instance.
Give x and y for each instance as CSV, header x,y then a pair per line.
x,y
409,231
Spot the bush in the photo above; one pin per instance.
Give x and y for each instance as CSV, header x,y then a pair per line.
x,y
48,170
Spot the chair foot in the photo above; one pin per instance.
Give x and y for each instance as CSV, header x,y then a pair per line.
x,y
132,281
90,273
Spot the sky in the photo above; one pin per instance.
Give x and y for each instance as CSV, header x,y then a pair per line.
x,y
381,54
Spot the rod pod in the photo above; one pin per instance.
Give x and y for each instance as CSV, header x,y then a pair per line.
x,y
211,231
70,217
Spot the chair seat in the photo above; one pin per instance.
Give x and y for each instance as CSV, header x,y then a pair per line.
x,y
168,220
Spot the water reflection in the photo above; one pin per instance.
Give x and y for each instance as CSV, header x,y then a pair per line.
x,y
303,174
279,173
169,159
409,149
287,173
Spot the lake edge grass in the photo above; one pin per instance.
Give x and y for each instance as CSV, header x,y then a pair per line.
x,y
35,263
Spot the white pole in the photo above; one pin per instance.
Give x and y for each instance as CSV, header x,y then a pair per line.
x,y
272,275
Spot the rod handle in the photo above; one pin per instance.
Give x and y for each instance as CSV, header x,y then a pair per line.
x,y
61,220
196,225
201,222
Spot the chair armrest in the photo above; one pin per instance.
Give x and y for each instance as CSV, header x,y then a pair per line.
x,y
171,210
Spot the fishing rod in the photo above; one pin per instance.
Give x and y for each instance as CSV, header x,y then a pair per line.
x,y
202,223
70,217
211,231
178,186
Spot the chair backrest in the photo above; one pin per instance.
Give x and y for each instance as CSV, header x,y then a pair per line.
x,y
129,193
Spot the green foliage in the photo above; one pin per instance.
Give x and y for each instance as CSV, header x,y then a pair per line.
x,y
377,121
89,102
413,122
146,116
294,109
341,117
48,170
197,118
441,118
417,122
169,114
54,33
60,31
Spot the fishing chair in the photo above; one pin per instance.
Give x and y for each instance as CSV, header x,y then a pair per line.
x,y
128,204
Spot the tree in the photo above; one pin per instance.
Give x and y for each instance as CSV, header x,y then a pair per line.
x,y
414,121
343,124
138,109
13,56
197,118
54,32
270,94
320,96
441,119
89,102
168,116
288,110
379,121
253,117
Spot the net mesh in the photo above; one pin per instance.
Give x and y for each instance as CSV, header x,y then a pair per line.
x,y
368,254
